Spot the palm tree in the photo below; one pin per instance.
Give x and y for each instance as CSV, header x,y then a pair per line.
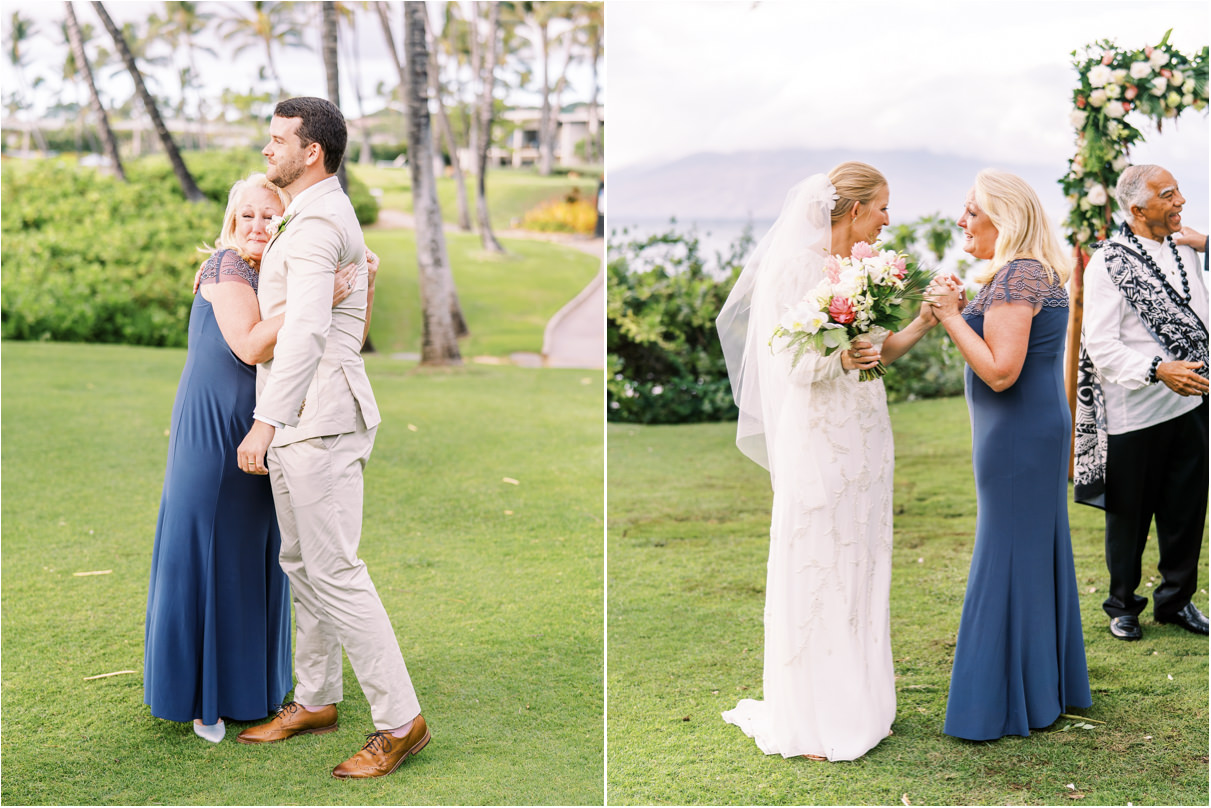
x,y
181,25
439,345
353,57
455,310
483,66
328,47
592,29
188,186
83,68
270,24
538,16
446,131
20,31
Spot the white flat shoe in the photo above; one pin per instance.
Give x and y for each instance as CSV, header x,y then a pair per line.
x,y
210,732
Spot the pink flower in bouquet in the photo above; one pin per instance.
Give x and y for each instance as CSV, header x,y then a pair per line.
x,y
863,250
841,310
832,269
901,267
1131,92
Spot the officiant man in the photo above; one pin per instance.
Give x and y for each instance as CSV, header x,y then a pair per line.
x,y
1141,429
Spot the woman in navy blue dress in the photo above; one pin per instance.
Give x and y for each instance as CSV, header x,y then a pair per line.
x,y
1020,656
217,637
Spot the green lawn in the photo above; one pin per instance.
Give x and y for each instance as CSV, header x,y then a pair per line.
x,y
511,191
506,299
495,590
687,546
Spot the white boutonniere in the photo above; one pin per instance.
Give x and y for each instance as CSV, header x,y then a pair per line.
x,y
277,224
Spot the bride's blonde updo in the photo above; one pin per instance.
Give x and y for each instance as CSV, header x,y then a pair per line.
x,y
855,182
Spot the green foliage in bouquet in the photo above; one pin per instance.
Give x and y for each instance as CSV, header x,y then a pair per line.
x,y
1160,82
665,364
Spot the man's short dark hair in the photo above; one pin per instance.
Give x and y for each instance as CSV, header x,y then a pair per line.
x,y
321,122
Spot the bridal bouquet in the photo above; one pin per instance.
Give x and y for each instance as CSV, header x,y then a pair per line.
x,y
870,289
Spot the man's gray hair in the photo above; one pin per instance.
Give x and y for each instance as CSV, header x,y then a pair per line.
x,y
1132,188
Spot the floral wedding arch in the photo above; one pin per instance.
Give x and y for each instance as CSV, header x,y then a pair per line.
x,y
1157,81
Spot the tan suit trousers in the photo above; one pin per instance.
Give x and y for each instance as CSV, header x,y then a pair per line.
x,y
317,490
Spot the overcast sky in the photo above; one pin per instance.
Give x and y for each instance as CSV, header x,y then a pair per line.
x,y
302,71
986,79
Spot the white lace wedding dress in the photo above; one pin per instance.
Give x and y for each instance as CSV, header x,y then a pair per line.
x,y
829,686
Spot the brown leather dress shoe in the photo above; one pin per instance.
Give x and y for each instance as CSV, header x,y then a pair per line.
x,y
383,752
292,719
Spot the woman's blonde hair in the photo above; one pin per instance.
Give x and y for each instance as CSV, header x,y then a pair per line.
x,y
854,182
1023,229
226,239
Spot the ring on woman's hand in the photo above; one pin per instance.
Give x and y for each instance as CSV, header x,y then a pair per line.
x,y
349,285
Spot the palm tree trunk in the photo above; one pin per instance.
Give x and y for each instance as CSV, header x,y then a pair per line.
x,y
107,134
447,133
545,146
440,341
332,71
484,116
188,186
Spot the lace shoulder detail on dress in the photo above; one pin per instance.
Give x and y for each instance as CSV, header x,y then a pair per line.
x,y
1023,280
227,265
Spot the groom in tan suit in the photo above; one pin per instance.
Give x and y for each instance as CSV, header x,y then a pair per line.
x,y
316,418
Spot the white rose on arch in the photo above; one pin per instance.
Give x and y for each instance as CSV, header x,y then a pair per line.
x,y
1188,86
1158,59
1099,75
1159,85
1114,128
1140,70
1173,99
1115,110
1188,99
1097,98
1113,91
1077,118
1120,163
1096,195
1176,78
1120,75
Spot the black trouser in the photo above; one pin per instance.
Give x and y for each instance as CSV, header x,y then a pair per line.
x,y
1157,471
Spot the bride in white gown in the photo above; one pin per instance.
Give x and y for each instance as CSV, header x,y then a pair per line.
x,y
825,436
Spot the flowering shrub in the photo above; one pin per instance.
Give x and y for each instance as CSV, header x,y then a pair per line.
x,y
562,216
1157,81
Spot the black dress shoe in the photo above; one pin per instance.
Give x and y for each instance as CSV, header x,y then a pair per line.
x,y
1189,618
1126,627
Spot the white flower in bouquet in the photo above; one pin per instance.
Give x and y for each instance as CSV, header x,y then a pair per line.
x,y
1115,109
1099,75
1188,99
1098,97
1077,118
1120,163
1158,59
1096,195
1120,75
1176,78
1159,85
1140,70
805,316
1113,91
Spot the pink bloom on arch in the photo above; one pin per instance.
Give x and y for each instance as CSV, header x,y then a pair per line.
x,y
1107,57
1131,92
1166,72
863,250
1148,51
841,310
1080,101
832,269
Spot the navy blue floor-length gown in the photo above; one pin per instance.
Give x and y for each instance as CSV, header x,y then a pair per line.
x,y
217,638
1020,655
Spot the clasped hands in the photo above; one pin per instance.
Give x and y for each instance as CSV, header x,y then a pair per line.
x,y
946,296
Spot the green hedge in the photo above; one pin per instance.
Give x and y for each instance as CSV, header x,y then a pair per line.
x,y
86,258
